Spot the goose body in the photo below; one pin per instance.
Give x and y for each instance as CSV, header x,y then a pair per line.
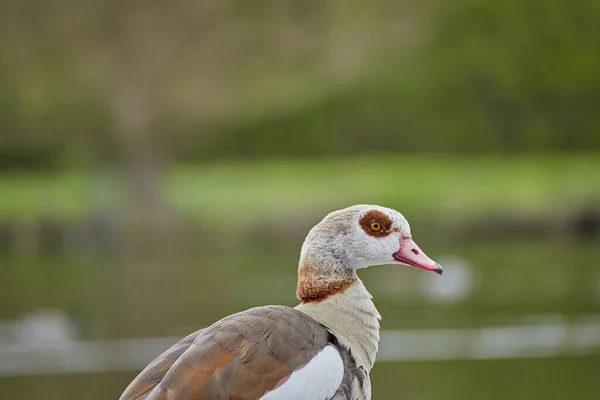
x,y
322,349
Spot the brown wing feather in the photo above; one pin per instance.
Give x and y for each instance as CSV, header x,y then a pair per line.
x,y
240,357
156,370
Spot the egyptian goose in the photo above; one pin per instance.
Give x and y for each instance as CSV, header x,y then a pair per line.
x,y
324,348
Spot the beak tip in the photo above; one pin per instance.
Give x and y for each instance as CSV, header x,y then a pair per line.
x,y
439,269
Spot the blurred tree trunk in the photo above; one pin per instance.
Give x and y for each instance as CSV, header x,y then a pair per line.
x,y
146,213
147,218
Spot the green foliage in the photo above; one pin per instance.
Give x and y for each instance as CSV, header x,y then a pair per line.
x,y
466,76
520,74
508,76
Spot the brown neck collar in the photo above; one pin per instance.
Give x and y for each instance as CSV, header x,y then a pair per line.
x,y
316,285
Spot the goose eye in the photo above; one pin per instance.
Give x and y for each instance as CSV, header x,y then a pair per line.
x,y
375,226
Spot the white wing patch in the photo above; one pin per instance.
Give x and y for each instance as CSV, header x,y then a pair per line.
x,y
319,379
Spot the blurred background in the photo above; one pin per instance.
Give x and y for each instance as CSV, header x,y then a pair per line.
x,y
161,163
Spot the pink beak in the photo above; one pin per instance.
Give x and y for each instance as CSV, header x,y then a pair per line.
x,y
411,254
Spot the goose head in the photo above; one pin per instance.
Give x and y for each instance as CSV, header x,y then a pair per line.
x,y
356,237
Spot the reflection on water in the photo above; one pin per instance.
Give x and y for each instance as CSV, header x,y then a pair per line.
x,y
455,286
498,300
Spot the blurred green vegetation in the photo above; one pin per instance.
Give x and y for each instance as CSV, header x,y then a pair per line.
x,y
300,80
464,186
511,77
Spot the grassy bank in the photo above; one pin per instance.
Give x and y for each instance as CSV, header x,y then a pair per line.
x,y
247,192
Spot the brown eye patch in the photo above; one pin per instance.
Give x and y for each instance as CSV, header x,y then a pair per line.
x,y
376,223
